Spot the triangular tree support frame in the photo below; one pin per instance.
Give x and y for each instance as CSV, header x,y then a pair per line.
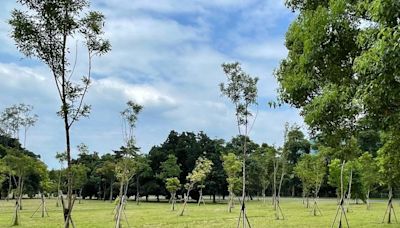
x,y
120,209
341,204
390,208
42,207
66,210
278,210
201,198
315,209
243,215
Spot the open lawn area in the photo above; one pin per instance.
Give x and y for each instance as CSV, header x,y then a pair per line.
x,y
93,213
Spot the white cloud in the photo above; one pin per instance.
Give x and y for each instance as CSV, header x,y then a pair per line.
x,y
269,50
143,94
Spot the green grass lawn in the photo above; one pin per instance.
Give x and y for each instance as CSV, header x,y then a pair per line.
x,y
93,213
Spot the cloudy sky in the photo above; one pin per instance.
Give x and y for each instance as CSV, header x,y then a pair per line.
x,y
166,55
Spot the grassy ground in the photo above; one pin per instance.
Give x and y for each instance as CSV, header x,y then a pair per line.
x,y
92,213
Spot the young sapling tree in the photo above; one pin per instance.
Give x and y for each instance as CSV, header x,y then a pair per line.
x,y
241,90
369,174
170,170
44,30
389,163
127,168
232,167
172,184
199,173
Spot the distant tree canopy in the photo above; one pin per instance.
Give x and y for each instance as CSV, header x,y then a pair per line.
x,y
177,155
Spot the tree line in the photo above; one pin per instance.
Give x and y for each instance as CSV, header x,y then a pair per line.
x,y
95,174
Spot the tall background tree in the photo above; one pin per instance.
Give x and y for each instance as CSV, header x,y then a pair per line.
x,y
44,30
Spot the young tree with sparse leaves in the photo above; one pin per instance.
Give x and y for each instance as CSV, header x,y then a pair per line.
x,y
15,118
232,167
197,176
61,157
311,170
170,171
21,166
241,90
172,184
127,167
334,177
369,174
389,163
79,178
45,30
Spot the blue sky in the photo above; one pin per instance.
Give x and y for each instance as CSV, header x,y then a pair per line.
x,y
167,56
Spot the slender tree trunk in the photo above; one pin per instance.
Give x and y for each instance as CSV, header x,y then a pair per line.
x,y
293,190
173,200
201,197
230,202
58,189
390,205
68,210
276,166
264,197
367,198
349,191
244,179
9,187
21,193
16,213
43,204
137,189
111,191
80,195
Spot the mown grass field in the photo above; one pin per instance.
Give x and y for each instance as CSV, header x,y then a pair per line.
x,y
93,213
